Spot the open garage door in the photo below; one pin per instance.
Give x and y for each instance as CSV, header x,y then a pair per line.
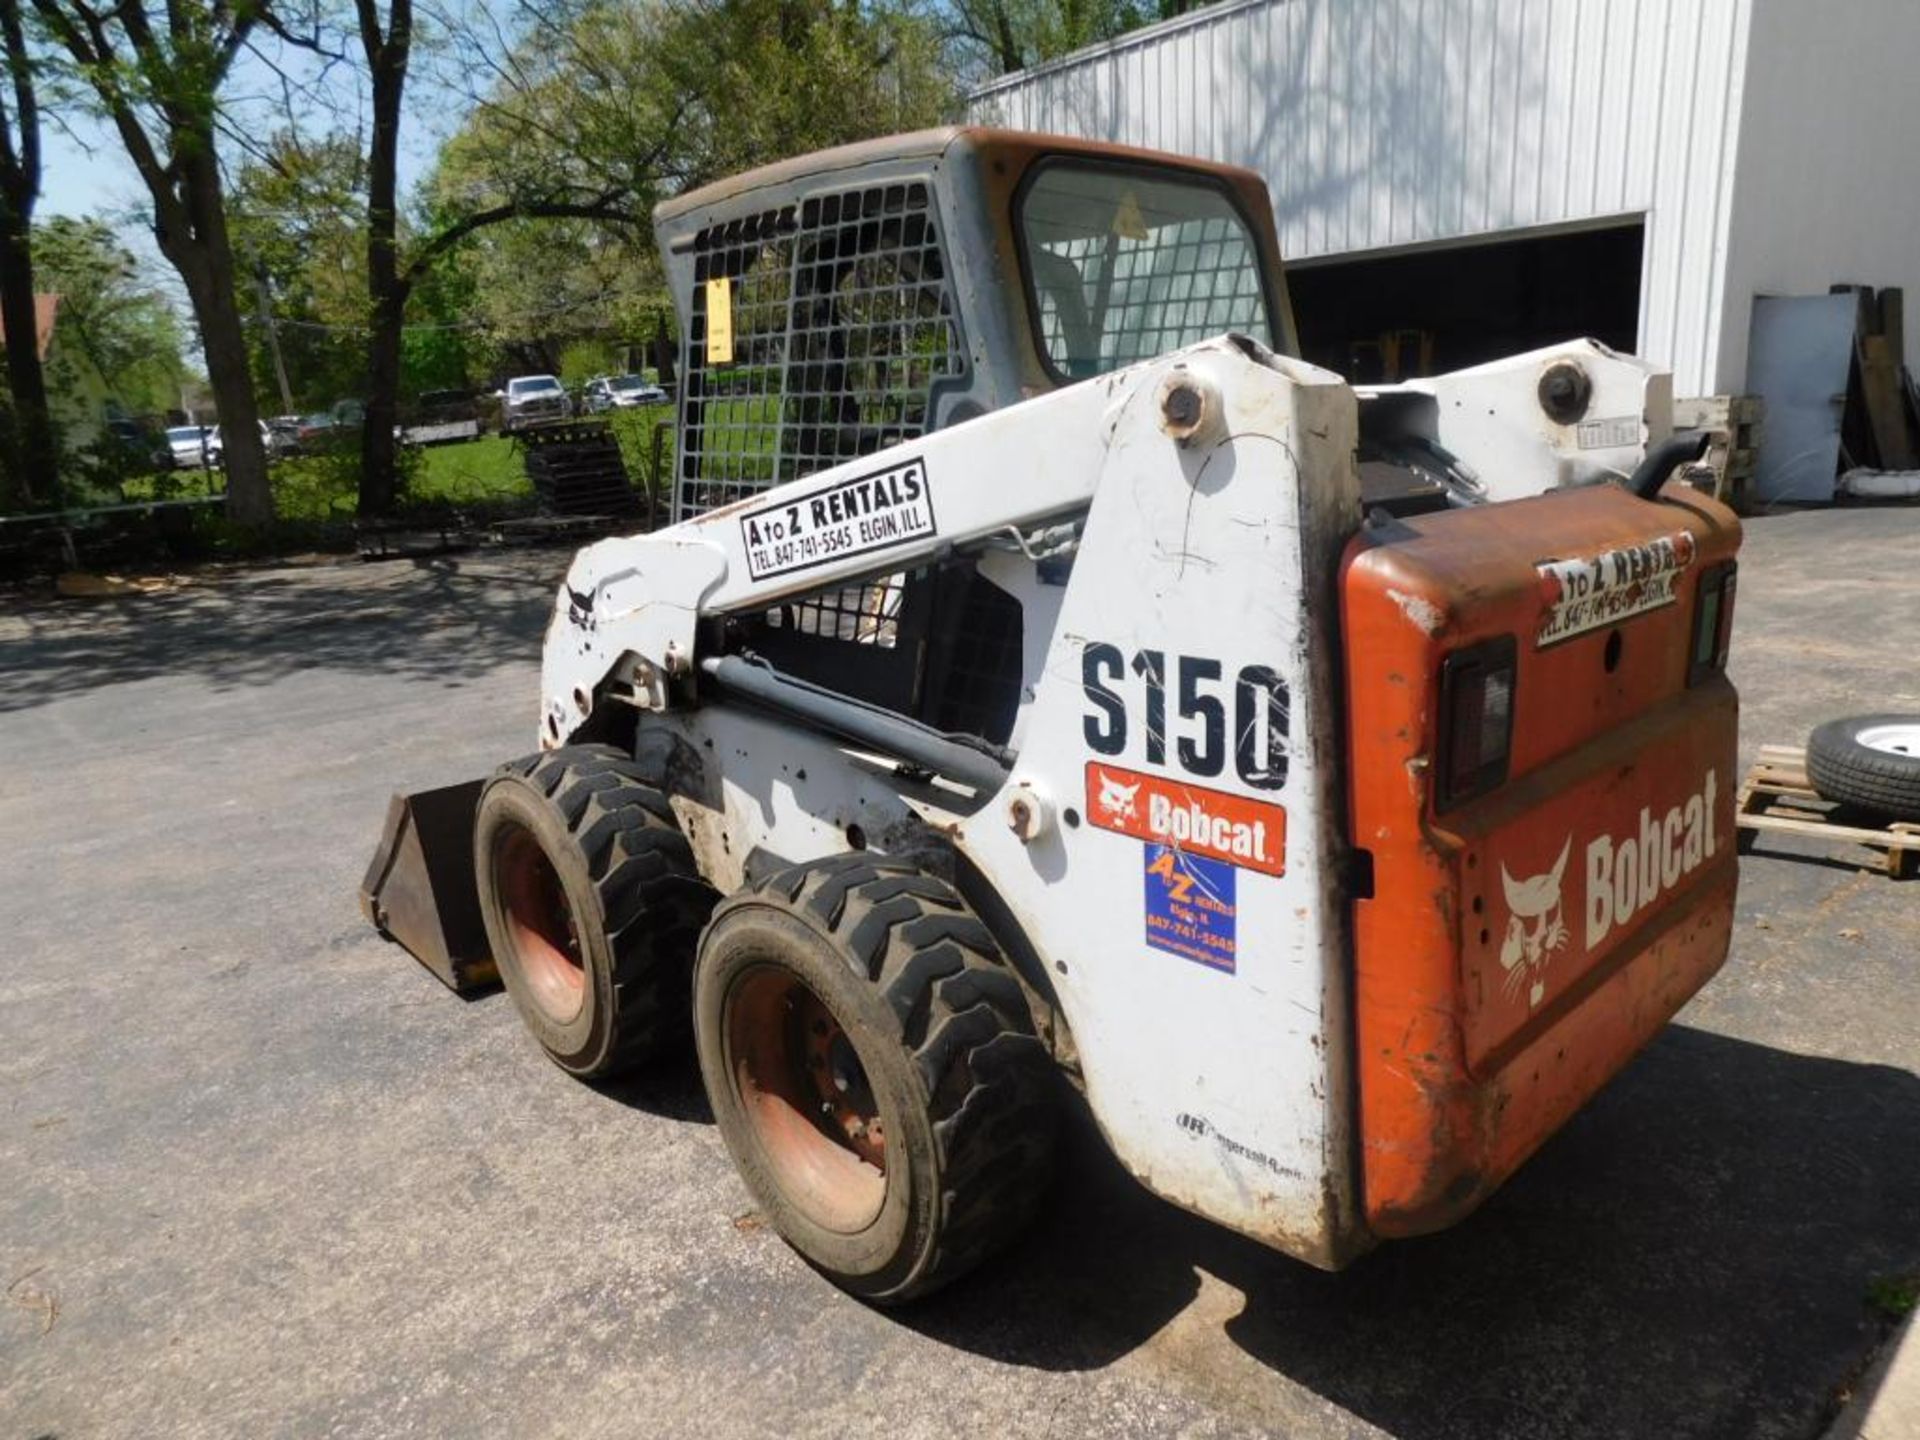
x,y
1398,317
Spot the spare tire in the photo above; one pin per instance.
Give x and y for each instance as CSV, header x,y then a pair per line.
x,y
1868,761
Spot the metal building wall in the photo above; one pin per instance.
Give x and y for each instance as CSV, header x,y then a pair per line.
x,y
1381,124
1828,189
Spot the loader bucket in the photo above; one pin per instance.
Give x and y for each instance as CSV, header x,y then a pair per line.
x,y
420,890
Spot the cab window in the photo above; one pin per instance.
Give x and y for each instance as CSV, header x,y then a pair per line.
x,y
1125,264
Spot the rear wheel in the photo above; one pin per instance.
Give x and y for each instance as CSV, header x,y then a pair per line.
x,y
592,903
873,1070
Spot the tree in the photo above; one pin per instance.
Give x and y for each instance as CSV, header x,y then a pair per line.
x,y
556,190
296,211
535,285
123,327
388,49
33,460
158,81
721,86
590,113
997,37
442,349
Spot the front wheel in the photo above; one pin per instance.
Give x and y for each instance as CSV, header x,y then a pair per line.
x,y
592,905
873,1069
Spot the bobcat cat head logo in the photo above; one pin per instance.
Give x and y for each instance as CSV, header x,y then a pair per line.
x,y
1536,925
1117,799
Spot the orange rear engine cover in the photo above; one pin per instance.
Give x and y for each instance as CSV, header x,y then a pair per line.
x,y
1521,944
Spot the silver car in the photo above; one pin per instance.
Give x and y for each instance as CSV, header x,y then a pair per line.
x,y
529,399
622,392
193,447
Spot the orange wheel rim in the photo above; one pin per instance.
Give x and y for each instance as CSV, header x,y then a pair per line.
x,y
806,1093
545,935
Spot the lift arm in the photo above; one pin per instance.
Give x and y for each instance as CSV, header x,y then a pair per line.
x,y
629,606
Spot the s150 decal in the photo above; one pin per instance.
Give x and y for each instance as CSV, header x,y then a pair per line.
x,y
1204,702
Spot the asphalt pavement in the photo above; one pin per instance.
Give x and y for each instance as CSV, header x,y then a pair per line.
x,y
261,1175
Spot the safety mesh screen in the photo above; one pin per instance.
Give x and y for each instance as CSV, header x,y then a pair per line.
x,y
1126,266
977,687
862,614
842,322
1182,284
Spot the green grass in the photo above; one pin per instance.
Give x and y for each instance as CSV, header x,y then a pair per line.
x,y
326,487
487,471
470,472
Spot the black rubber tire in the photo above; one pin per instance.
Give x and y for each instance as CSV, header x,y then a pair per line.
x,y
941,1027
1848,773
634,897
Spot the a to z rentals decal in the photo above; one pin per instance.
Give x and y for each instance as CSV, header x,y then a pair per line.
x,y
838,521
1196,838
1599,590
1624,876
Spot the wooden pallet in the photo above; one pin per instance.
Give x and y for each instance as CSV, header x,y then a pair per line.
x,y
1778,797
1734,425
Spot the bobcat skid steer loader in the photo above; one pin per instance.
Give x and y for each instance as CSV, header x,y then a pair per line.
x,y
1051,688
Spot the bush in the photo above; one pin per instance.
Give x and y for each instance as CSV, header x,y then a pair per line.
x,y
112,471
325,484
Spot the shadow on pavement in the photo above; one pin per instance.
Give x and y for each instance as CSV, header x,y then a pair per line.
x,y
670,1088
440,619
1690,1257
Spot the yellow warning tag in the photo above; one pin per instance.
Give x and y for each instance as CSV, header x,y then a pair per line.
x,y
720,321
1128,222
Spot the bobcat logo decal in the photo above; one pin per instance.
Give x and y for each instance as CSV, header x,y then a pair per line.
x,y
1117,799
1536,926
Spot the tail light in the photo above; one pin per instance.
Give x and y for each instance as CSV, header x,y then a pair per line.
x,y
1476,720
1712,622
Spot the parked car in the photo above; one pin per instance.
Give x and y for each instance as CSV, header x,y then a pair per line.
x,y
277,444
529,399
315,431
193,447
622,392
326,429
283,435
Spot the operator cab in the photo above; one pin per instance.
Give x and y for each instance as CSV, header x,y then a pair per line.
x,y
836,304
840,303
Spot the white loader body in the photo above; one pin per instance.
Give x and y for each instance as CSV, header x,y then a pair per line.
x,y
1169,838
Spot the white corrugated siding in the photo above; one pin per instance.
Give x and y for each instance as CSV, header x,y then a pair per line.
x,y
1388,123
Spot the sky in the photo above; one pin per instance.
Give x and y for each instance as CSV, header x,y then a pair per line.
x,y
75,182
85,170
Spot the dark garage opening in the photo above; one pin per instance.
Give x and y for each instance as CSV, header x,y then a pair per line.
x,y
1404,316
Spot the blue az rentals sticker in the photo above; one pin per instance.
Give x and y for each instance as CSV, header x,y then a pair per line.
x,y
1190,906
